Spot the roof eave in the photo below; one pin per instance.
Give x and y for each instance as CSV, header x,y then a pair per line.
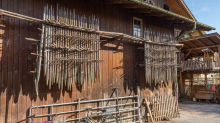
x,y
148,5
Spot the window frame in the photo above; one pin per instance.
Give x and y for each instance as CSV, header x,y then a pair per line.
x,y
141,25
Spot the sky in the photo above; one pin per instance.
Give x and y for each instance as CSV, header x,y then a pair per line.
x,y
206,12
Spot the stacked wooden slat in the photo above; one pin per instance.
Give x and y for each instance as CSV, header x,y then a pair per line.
x,y
163,107
188,65
70,55
160,59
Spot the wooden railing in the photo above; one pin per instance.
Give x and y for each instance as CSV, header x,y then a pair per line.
x,y
189,65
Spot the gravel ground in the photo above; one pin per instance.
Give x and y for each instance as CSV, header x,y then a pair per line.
x,y
197,112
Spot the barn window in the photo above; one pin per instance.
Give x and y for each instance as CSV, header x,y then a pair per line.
x,y
166,7
137,22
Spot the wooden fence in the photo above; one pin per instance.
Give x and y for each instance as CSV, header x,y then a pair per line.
x,y
197,65
162,107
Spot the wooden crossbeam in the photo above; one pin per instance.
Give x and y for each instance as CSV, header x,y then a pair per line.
x,y
188,54
211,50
155,14
129,6
200,37
143,11
198,48
114,1
168,18
179,21
190,48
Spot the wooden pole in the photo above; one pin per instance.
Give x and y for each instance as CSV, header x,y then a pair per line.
x,y
139,104
149,111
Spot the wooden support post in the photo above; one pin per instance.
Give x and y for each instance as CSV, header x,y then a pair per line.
x,y
181,84
206,81
191,80
219,51
139,110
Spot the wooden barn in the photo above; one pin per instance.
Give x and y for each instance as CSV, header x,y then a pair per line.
x,y
61,57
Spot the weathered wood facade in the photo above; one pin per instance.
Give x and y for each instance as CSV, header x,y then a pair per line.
x,y
17,92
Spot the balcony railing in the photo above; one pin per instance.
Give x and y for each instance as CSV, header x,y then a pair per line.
x,y
193,65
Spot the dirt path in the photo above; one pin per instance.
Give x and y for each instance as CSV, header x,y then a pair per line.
x,y
196,112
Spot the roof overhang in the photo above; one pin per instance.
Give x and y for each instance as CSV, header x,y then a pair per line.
x,y
148,9
195,45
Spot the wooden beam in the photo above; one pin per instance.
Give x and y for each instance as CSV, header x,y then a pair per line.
x,y
114,1
179,21
168,18
201,42
188,25
155,14
143,11
193,44
211,50
120,39
200,37
129,6
183,31
190,48
188,54
219,51
203,47
211,40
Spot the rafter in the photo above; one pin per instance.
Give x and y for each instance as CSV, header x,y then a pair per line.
x,y
193,44
143,11
179,21
201,42
114,1
190,48
168,18
211,40
130,6
155,14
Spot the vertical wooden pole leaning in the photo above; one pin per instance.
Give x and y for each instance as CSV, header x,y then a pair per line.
x,y
39,58
139,106
149,111
177,87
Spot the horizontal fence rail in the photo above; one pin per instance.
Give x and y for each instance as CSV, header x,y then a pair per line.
x,y
120,105
189,65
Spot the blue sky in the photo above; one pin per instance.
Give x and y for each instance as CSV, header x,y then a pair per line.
x,y
206,12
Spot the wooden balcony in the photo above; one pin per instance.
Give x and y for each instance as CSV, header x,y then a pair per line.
x,y
198,65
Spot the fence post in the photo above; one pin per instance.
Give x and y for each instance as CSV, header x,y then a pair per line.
x,y
139,107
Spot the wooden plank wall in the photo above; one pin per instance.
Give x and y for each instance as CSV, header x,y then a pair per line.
x,y
17,93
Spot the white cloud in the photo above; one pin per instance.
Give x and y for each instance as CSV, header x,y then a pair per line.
x,y
204,9
193,3
201,10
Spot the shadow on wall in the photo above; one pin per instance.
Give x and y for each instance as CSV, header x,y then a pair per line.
x,y
17,84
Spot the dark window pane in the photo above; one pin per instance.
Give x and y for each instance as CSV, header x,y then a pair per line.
x,y
139,23
135,22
